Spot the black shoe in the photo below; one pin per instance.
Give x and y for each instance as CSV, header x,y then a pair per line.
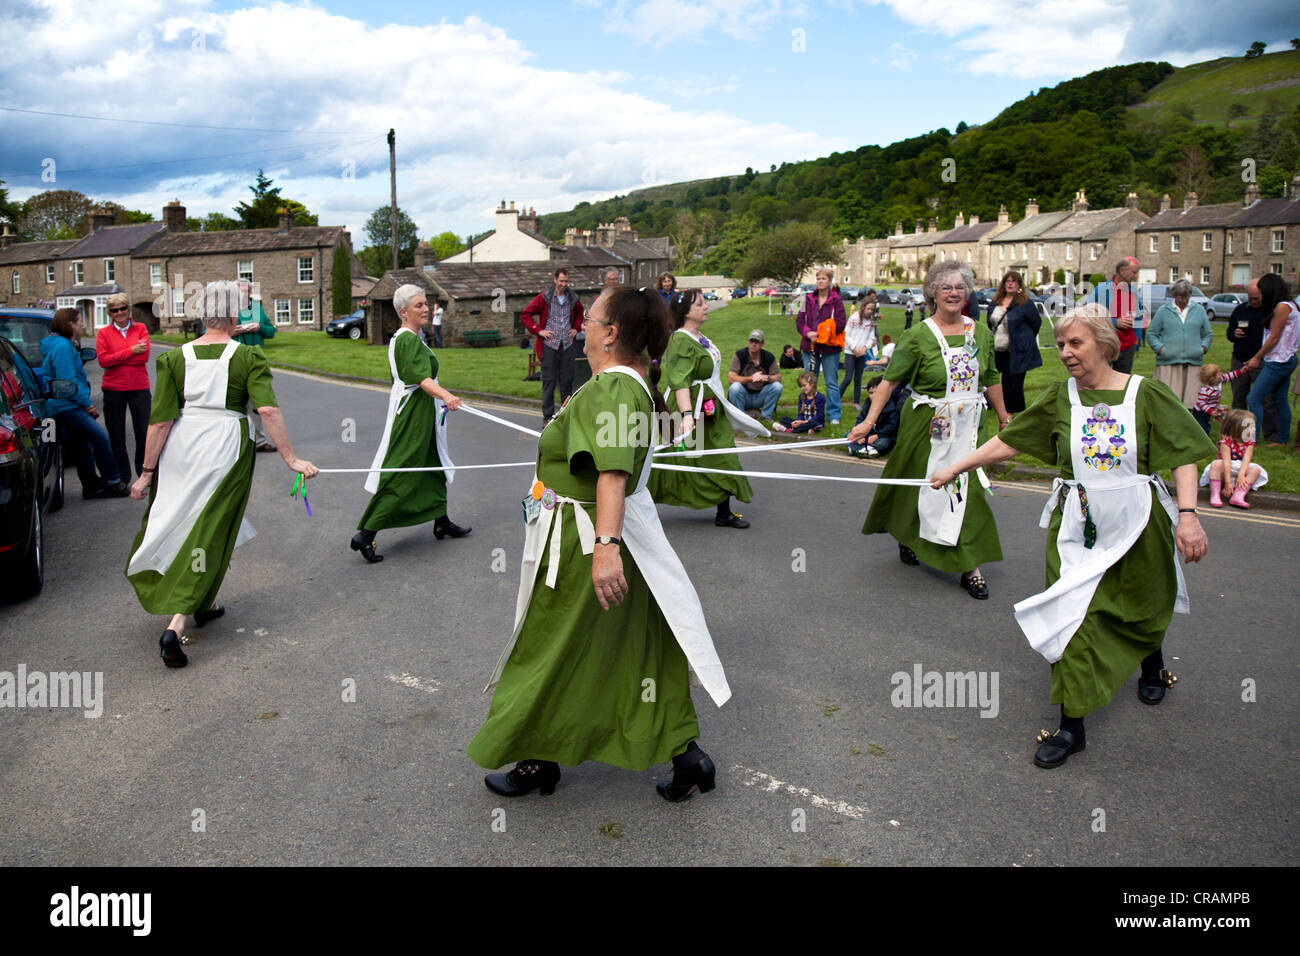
x,y
118,489
1055,749
90,494
449,529
692,771
907,555
528,775
732,520
975,585
211,614
1151,690
367,549
172,654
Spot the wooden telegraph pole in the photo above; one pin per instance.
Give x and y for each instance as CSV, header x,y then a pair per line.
x,y
392,175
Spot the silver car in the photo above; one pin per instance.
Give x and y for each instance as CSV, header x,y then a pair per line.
x,y
1153,295
1222,305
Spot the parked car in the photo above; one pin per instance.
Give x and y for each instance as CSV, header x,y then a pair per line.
x,y
711,296
739,293
1221,305
348,326
1156,294
916,296
888,296
850,293
31,476
25,328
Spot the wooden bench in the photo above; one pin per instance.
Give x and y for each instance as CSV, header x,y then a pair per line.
x,y
481,338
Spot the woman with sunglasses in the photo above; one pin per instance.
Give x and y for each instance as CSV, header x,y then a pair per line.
x,y
122,348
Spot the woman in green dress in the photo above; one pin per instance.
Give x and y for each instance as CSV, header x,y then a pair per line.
x,y
415,436
1113,579
690,373
947,361
606,620
198,469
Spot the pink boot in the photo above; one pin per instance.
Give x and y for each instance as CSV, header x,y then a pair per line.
x,y
1239,498
1215,500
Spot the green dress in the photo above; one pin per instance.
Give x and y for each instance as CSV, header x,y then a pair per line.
x,y
686,361
574,687
1133,604
918,361
188,586
409,498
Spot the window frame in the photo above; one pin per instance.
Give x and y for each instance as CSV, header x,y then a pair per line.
x,y
1207,242
311,269
1175,242
155,282
288,311
310,302
1154,244
49,275
239,270
1279,240
110,270
78,271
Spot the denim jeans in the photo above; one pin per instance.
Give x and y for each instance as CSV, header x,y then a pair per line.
x,y
89,445
827,365
808,364
881,444
1273,380
764,399
853,366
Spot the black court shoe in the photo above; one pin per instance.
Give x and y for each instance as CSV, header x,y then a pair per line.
x,y
975,585
172,654
692,771
367,549
732,520
445,527
1055,749
211,614
528,775
907,555
1151,690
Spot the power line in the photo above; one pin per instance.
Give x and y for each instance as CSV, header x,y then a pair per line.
x,y
136,122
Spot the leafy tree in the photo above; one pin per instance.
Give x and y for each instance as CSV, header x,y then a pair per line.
x,y
341,281
219,222
55,214
446,244
962,127
1235,111
1256,49
264,211
1295,43
10,212
785,254
726,257
687,234
376,260
379,230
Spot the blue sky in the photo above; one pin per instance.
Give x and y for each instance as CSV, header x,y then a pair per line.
x,y
544,103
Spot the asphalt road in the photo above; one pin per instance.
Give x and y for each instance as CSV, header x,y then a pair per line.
x,y
815,763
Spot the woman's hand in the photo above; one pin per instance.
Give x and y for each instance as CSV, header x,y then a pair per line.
x,y
607,575
1004,422
859,432
1190,538
688,423
303,467
944,476
452,402
141,485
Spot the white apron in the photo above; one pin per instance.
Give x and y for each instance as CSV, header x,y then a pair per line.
x,y
398,396
1118,501
646,543
202,446
954,433
714,384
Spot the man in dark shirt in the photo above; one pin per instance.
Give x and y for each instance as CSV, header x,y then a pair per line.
x,y
754,379
1247,329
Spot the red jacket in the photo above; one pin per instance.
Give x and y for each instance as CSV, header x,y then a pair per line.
x,y
534,315
124,371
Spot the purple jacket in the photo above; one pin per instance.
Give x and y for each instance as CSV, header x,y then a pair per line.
x,y
811,317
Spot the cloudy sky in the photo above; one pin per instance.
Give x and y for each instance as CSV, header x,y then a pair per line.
x,y
544,102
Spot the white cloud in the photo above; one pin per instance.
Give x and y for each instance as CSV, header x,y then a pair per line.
x,y
476,121
668,21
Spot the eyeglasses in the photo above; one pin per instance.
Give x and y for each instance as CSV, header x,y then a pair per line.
x,y
120,308
588,320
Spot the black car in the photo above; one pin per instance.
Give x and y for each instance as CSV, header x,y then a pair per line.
x,y
31,476
348,326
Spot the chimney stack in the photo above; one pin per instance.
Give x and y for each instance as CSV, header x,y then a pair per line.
x,y
920,226
1252,194
174,216
528,219
1131,201
6,237
1080,203
99,218
423,255
1031,208
974,220
1166,203
286,220
1190,200
959,221
898,228
933,225
1004,217
507,219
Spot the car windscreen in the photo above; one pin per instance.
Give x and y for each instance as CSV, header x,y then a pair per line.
x,y
26,333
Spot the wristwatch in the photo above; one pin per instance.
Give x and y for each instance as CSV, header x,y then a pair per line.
x,y
607,539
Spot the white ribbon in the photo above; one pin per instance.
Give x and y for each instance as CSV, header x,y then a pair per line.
x,y
343,471
500,421
909,482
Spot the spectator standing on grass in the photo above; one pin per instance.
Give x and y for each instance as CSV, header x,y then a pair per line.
x,y
1119,298
252,328
1015,324
1180,336
821,322
555,316
122,348
859,340
436,324
1247,328
667,286
1276,357
754,379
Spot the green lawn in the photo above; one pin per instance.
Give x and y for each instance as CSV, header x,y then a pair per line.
x,y
501,370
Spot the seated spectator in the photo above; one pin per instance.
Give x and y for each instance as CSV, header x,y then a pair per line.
x,y
811,415
790,358
881,438
754,380
886,353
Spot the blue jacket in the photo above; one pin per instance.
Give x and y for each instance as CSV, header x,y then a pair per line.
x,y
1176,342
60,359
1023,323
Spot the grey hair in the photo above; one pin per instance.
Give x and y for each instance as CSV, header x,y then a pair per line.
x,y
1181,287
405,295
221,303
936,274
611,271
1096,319
117,298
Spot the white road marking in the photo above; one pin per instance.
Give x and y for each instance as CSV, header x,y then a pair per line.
x,y
426,684
755,778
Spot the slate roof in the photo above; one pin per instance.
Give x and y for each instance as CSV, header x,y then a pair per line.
x,y
242,240
971,232
923,239
1080,224
471,280
1032,228
1270,212
114,240
589,256
1210,214
632,251
21,252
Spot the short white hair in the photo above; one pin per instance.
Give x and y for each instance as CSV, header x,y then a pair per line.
x,y
221,303
405,295
935,276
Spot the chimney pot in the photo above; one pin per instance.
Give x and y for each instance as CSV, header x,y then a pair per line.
x,y
286,220
174,216
1252,194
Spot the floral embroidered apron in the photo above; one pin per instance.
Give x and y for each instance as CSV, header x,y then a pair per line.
x,y
1105,510
398,396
